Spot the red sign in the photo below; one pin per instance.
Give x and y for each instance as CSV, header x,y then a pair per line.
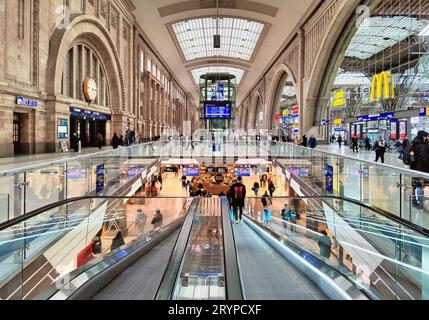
x,y
277,116
294,110
85,255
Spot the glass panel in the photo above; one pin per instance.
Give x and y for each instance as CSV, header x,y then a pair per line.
x,y
44,186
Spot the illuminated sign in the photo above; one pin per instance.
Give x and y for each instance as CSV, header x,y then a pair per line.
x,y
339,98
21,101
338,121
424,112
382,87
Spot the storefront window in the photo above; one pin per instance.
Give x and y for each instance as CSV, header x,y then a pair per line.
x,y
384,67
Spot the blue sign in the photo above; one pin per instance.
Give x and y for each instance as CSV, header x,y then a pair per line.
x,y
76,112
242,172
329,178
21,101
99,172
191,171
387,115
362,118
217,112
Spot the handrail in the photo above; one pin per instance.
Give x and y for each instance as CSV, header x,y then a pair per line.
x,y
415,174
41,210
70,159
51,206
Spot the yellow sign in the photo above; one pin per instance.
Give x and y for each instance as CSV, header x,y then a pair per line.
x,y
339,98
338,121
382,86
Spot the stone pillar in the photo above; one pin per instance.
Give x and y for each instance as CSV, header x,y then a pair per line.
x,y
6,138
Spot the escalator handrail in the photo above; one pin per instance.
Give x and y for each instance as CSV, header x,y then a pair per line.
x,y
54,205
379,211
291,245
51,206
169,278
234,286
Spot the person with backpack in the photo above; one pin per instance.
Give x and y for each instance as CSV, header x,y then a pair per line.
x,y
289,215
237,194
380,149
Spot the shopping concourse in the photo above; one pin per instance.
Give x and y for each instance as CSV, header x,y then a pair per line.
x,y
177,150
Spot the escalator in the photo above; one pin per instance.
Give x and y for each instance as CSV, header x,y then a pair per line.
x,y
198,254
266,274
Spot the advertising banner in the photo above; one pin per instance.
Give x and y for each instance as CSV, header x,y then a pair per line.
x,y
99,171
402,130
329,178
394,130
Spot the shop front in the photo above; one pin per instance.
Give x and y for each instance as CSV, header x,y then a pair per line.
x,y
87,124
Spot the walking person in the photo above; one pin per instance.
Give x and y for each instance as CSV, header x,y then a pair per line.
x,y
74,143
401,149
340,140
117,242
141,219
419,161
238,194
367,143
157,220
304,142
271,187
312,142
256,188
115,141
355,144
325,245
289,215
380,149
266,202
99,140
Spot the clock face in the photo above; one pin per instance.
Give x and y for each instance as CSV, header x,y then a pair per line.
x,y
90,89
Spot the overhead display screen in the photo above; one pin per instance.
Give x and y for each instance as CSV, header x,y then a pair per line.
x,y
217,112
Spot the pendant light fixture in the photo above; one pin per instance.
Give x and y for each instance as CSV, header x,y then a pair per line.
x,y
216,37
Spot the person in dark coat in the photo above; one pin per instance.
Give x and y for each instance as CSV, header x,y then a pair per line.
x,y
116,142
380,149
158,219
420,152
325,245
99,140
312,142
340,141
74,143
237,193
117,242
355,144
304,141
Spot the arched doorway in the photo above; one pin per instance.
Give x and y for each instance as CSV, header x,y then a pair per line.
x,y
285,115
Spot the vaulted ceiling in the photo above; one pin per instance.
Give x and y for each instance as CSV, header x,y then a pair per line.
x,y
252,33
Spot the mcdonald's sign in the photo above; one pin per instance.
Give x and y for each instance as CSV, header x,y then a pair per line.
x,y
382,87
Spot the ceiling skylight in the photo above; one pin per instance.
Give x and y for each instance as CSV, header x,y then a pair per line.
x,y
238,37
197,73
379,33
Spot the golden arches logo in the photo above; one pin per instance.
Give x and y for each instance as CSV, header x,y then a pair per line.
x,y
382,87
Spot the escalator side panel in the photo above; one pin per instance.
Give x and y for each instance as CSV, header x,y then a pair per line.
x,y
141,280
265,272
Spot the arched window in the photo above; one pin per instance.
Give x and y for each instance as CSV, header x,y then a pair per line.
x,y
285,113
82,62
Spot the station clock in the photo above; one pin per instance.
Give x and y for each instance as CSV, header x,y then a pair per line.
x,y
90,89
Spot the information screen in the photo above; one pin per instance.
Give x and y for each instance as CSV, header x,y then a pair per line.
x,y
217,112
